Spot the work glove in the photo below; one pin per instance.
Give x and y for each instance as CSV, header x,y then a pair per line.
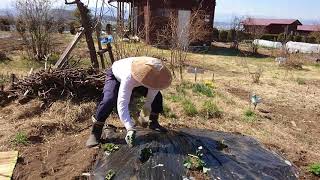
x,y
131,137
143,119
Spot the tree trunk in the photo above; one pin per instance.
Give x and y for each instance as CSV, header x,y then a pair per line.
x,y
85,21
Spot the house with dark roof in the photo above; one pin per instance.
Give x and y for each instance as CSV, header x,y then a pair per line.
x,y
307,29
272,26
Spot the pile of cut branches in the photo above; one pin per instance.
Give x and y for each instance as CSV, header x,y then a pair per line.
x,y
51,85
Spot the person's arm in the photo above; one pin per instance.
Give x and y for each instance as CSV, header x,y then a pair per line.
x,y
124,95
149,99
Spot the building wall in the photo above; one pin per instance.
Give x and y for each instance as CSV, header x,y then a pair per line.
x,y
281,28
275,28
160,11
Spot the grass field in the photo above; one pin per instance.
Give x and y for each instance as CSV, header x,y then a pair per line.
x,y
286,120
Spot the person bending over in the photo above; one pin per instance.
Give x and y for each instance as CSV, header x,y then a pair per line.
x,y
144,75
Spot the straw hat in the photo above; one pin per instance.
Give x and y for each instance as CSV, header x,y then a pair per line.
x,y
151,72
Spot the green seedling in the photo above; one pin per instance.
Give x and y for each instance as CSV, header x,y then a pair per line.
x,y
195,162
221,145
250,115
110,174
20,139
315,169
145,154
110,147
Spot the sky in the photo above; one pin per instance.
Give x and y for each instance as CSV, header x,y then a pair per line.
x,y
293,9
226,9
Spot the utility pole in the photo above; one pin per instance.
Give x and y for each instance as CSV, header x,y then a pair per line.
x,y
86,24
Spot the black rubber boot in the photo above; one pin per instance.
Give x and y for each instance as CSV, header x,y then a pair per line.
x,y
95,136
154,124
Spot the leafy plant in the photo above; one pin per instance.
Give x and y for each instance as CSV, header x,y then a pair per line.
x,y
195,162
20,138
110,147
249,115
315,169
210,110
301,81
203,89
110,174
189,108
145,154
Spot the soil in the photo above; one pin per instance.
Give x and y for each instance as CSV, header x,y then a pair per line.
x,y
302,119
64,157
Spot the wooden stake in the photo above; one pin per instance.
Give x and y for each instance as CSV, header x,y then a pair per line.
x,y
68,50
98,29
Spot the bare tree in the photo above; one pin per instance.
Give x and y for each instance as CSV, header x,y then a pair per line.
x,y
236,29
255,31
35,25
180,37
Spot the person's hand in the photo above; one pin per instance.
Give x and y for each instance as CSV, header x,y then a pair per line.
x,y
131,138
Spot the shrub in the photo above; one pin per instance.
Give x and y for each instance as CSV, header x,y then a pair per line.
x,y
269,37
249,115
210,110
304,39
297,38
215,34
315,169
311,39
231,35
20,138
223,35
293,62
281,37
181,89
189,108
290,37
203,89
255,76
186,85
301,81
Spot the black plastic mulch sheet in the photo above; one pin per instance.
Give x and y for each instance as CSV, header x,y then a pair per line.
x,y
242,158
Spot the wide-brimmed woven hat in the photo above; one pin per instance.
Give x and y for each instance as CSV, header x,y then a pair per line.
x,y
151,72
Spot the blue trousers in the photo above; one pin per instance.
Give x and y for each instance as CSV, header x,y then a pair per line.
x,y
110,96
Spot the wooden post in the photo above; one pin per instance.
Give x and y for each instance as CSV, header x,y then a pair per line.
x,y
213,77
13,79
86,23
98,29
110,52
195,74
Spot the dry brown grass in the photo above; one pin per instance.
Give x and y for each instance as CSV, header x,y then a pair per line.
x,y
61,117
